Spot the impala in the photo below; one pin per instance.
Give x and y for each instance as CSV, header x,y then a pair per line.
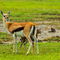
x,y
24,40
25,29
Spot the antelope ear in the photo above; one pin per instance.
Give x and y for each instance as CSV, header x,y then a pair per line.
x,y
9,12
1,12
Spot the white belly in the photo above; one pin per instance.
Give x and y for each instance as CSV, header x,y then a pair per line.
x,y
20,33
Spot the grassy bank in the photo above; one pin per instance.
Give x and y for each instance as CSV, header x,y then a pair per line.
x,y
47,51
36,10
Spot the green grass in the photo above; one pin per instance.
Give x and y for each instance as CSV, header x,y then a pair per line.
x,y
53,38
28,10
5,37
56,23
47,51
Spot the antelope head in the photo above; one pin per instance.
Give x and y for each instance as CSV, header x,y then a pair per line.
x,y
39,31
5,17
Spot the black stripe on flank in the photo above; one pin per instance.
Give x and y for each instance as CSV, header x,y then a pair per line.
x,y
33,30
18,29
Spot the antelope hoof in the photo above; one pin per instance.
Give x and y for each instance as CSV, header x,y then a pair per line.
x,y
26,50
19,51
16,53
32,52
37,53
26,53
13,52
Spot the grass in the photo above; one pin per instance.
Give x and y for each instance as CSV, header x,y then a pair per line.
x,y
53,38
52,23
5,37
28,10
49,23
47,51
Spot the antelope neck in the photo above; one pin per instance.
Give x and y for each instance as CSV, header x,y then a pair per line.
x,y
5,26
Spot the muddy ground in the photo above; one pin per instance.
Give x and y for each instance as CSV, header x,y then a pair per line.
x,y
44,30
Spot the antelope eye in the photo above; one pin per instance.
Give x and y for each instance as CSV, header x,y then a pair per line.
x,y
4,15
